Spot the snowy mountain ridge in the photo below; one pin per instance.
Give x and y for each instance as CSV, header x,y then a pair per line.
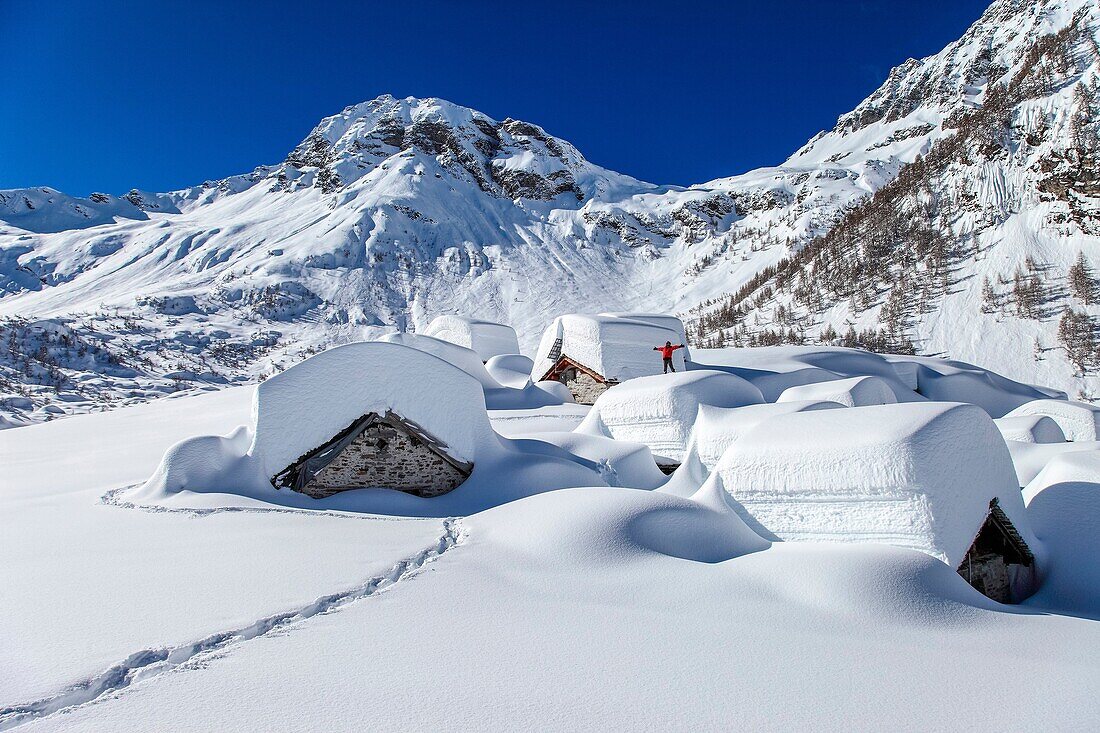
x,y
982,249
397,210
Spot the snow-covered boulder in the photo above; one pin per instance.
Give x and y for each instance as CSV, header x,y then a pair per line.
x,y
510,370
615,349
1030,429
1078,420
558,391
660,411
851,392
487,338
918,475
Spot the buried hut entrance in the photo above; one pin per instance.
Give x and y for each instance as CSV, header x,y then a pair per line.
x,y
999,564
376,451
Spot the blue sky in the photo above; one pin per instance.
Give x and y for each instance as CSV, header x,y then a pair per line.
x,y
108,96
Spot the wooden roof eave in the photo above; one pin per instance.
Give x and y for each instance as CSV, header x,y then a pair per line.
x,y
564,362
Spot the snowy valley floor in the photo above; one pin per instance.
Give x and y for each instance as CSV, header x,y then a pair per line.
x,y
578,609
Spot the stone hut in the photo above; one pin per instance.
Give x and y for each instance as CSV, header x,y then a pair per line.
x,y
999,562
379,451
589,354
370,415
934,477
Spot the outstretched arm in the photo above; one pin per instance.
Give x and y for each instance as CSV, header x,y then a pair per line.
x,y
656,348
679,346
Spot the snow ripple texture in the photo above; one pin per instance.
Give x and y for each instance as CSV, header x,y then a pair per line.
x,y
149,663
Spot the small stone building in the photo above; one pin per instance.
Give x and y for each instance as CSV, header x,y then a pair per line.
x,y
999,564
929,476
376,451
592,353
370,415
584,384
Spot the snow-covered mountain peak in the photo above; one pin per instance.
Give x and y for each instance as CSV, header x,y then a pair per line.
x,y
904,116
508,159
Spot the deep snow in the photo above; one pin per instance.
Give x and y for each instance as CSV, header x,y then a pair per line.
x,y
200,611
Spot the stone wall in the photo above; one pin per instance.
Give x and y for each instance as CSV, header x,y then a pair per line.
x,y
999,564
988,573
584,387
385,456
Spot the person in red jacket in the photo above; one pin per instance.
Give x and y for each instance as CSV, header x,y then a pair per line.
x,y
666,354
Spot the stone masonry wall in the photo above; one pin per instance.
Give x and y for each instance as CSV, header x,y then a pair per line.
x,y
585,388
383,456
988,573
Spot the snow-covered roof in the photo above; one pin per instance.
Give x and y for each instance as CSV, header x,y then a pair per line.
x,y
664,320
1030,429
517,394
660,410
947,380
462,357
917,475
1078,420
615,348
717,428
851,392
487,338
305,406
1078,467
775,368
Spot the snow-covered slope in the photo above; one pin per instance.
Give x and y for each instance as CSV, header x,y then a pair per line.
x,y
970,252
120,616
388,214
395,211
